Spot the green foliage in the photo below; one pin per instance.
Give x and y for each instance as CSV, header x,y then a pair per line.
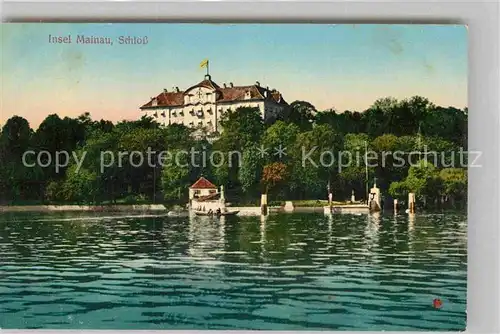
x,y
241,128
389,125
301,113
280,134
398,189
251,170
422,178
454,181
175,177
54,191
81,186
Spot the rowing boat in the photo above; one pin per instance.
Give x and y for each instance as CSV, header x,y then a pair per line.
x,y
214,214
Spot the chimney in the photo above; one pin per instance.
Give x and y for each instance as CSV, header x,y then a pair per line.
x,y
224,85
257,83
231,85
165,90
177,89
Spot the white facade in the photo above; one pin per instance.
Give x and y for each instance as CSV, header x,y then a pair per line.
x,y
202,106
196,193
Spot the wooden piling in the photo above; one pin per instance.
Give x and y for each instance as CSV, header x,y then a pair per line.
x,y
411,202
263,204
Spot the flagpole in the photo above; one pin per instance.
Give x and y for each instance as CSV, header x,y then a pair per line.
x,y
208,62
366,170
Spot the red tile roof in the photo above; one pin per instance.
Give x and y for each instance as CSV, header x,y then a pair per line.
x,y
208,83
171,99
225,94
203,183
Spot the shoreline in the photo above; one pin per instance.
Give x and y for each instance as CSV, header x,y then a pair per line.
x,y
140,208
84,208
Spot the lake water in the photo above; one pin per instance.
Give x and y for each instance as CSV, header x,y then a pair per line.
x,y
289,272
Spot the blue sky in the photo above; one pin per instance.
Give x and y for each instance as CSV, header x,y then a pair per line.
x,y
343,66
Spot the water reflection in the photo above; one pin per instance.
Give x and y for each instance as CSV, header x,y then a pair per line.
x,y
292,271
371,232
263,219
207,236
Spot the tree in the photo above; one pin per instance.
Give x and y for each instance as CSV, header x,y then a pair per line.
x,y
423,180
279,135
352,176
301,113
17,181
81,186
387,170
57,135
454,182
241,128
251,169
15,138
273,174
175,177
398,189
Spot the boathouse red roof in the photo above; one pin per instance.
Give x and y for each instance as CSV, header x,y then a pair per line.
x,y
203,183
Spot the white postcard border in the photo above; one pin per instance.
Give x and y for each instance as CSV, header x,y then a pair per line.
x,y
482,18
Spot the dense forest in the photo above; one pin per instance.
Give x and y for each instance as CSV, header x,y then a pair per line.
x,y
389,125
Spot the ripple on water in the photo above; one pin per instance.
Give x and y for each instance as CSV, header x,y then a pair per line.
x,y
292,272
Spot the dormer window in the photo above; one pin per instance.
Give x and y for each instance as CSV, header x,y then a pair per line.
x,y
248,95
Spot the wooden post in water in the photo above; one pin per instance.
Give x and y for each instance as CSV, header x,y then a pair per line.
x,y
263,204
411,202
395,206
374,204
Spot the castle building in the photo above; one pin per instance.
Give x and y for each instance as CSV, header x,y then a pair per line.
x,y
201,106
